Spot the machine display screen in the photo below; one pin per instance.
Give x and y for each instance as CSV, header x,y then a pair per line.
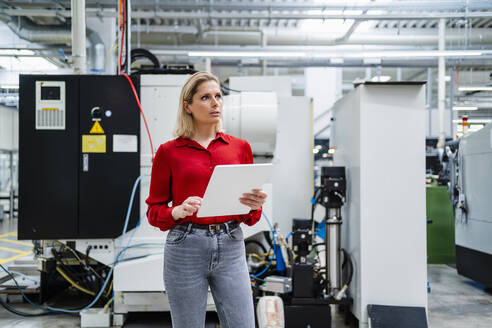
x,y
50,93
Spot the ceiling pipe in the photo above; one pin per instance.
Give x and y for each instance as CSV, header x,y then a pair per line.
x,y
235,36
441,90
26,30
79,57
329,5
53,35
152,14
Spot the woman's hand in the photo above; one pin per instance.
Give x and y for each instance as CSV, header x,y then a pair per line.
x,y
254,200
187,208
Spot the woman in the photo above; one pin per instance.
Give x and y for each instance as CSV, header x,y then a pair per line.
x,y
202,252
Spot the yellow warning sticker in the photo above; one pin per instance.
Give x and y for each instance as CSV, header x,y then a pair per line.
x,y
50,108
96,128
93,144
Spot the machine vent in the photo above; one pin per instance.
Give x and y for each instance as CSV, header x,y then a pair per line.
x,y
50,118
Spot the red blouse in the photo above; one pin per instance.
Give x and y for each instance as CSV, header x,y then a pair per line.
x,y
182,168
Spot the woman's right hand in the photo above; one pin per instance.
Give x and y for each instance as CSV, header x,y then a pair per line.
x,y
187,208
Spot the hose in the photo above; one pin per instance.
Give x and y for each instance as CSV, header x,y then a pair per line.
x,y
73,283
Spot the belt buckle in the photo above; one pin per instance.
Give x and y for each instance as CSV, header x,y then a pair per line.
x,y
212,227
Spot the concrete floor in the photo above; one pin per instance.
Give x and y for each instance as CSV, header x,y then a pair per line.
x,y
454,301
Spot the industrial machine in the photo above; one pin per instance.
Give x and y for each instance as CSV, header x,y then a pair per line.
x,y
85,195
85,171
378,132
317,284
470,160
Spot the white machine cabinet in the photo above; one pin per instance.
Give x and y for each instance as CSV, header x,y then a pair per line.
x,y
379,135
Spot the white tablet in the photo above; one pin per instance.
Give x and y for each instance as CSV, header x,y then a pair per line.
x,y
227,185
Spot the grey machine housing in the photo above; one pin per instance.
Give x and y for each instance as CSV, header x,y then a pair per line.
x,y
471,189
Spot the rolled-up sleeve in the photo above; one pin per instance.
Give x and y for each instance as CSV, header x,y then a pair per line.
x,y
255,215
159,213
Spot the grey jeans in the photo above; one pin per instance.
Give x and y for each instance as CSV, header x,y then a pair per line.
x,y
195,259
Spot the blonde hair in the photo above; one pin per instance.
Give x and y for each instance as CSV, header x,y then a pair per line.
x,y
185,125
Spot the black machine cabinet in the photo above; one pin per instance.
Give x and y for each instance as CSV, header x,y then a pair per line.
x,y
76,176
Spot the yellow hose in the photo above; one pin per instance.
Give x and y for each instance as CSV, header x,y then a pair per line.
x,y
73,283
110,288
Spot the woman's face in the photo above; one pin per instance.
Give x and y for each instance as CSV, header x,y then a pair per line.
x,y
206,105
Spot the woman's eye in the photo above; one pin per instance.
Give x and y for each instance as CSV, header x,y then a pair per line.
x,y
204,97
218,97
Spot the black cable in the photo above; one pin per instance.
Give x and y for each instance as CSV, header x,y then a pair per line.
x,y
18,312
347,259
138,53
11,309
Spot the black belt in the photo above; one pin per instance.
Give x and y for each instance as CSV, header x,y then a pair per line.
x,y
226,226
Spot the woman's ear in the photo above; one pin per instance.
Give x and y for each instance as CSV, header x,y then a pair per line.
x,y
187,107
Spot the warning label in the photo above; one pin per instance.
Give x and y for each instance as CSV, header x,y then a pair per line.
x,y
96,128
93,144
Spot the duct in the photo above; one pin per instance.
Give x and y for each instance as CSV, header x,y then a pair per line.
x,y
427,15
300,16
328,5
55,35
97,51
344,38
465,63
233,36
27,30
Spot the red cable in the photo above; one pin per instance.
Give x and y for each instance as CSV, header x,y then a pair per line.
x,y
141,112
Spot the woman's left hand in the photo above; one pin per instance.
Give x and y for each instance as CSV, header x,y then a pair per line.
x,y
254,200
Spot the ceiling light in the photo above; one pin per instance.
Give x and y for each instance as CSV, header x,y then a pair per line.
x,y
381,78
336,60
245,54
475,88
27,64
476,120
465,108
9,86
417,53
476,127
16,52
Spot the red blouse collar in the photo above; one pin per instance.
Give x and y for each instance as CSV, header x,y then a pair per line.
x,y
181,142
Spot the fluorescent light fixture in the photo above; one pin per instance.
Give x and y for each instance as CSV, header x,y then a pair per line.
x,y
9,86
246,54
476,120
371,61
377,55
369,57
476,127
27,64
382,78
465,108
447,78
16,52
417,53
336,60
475,88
